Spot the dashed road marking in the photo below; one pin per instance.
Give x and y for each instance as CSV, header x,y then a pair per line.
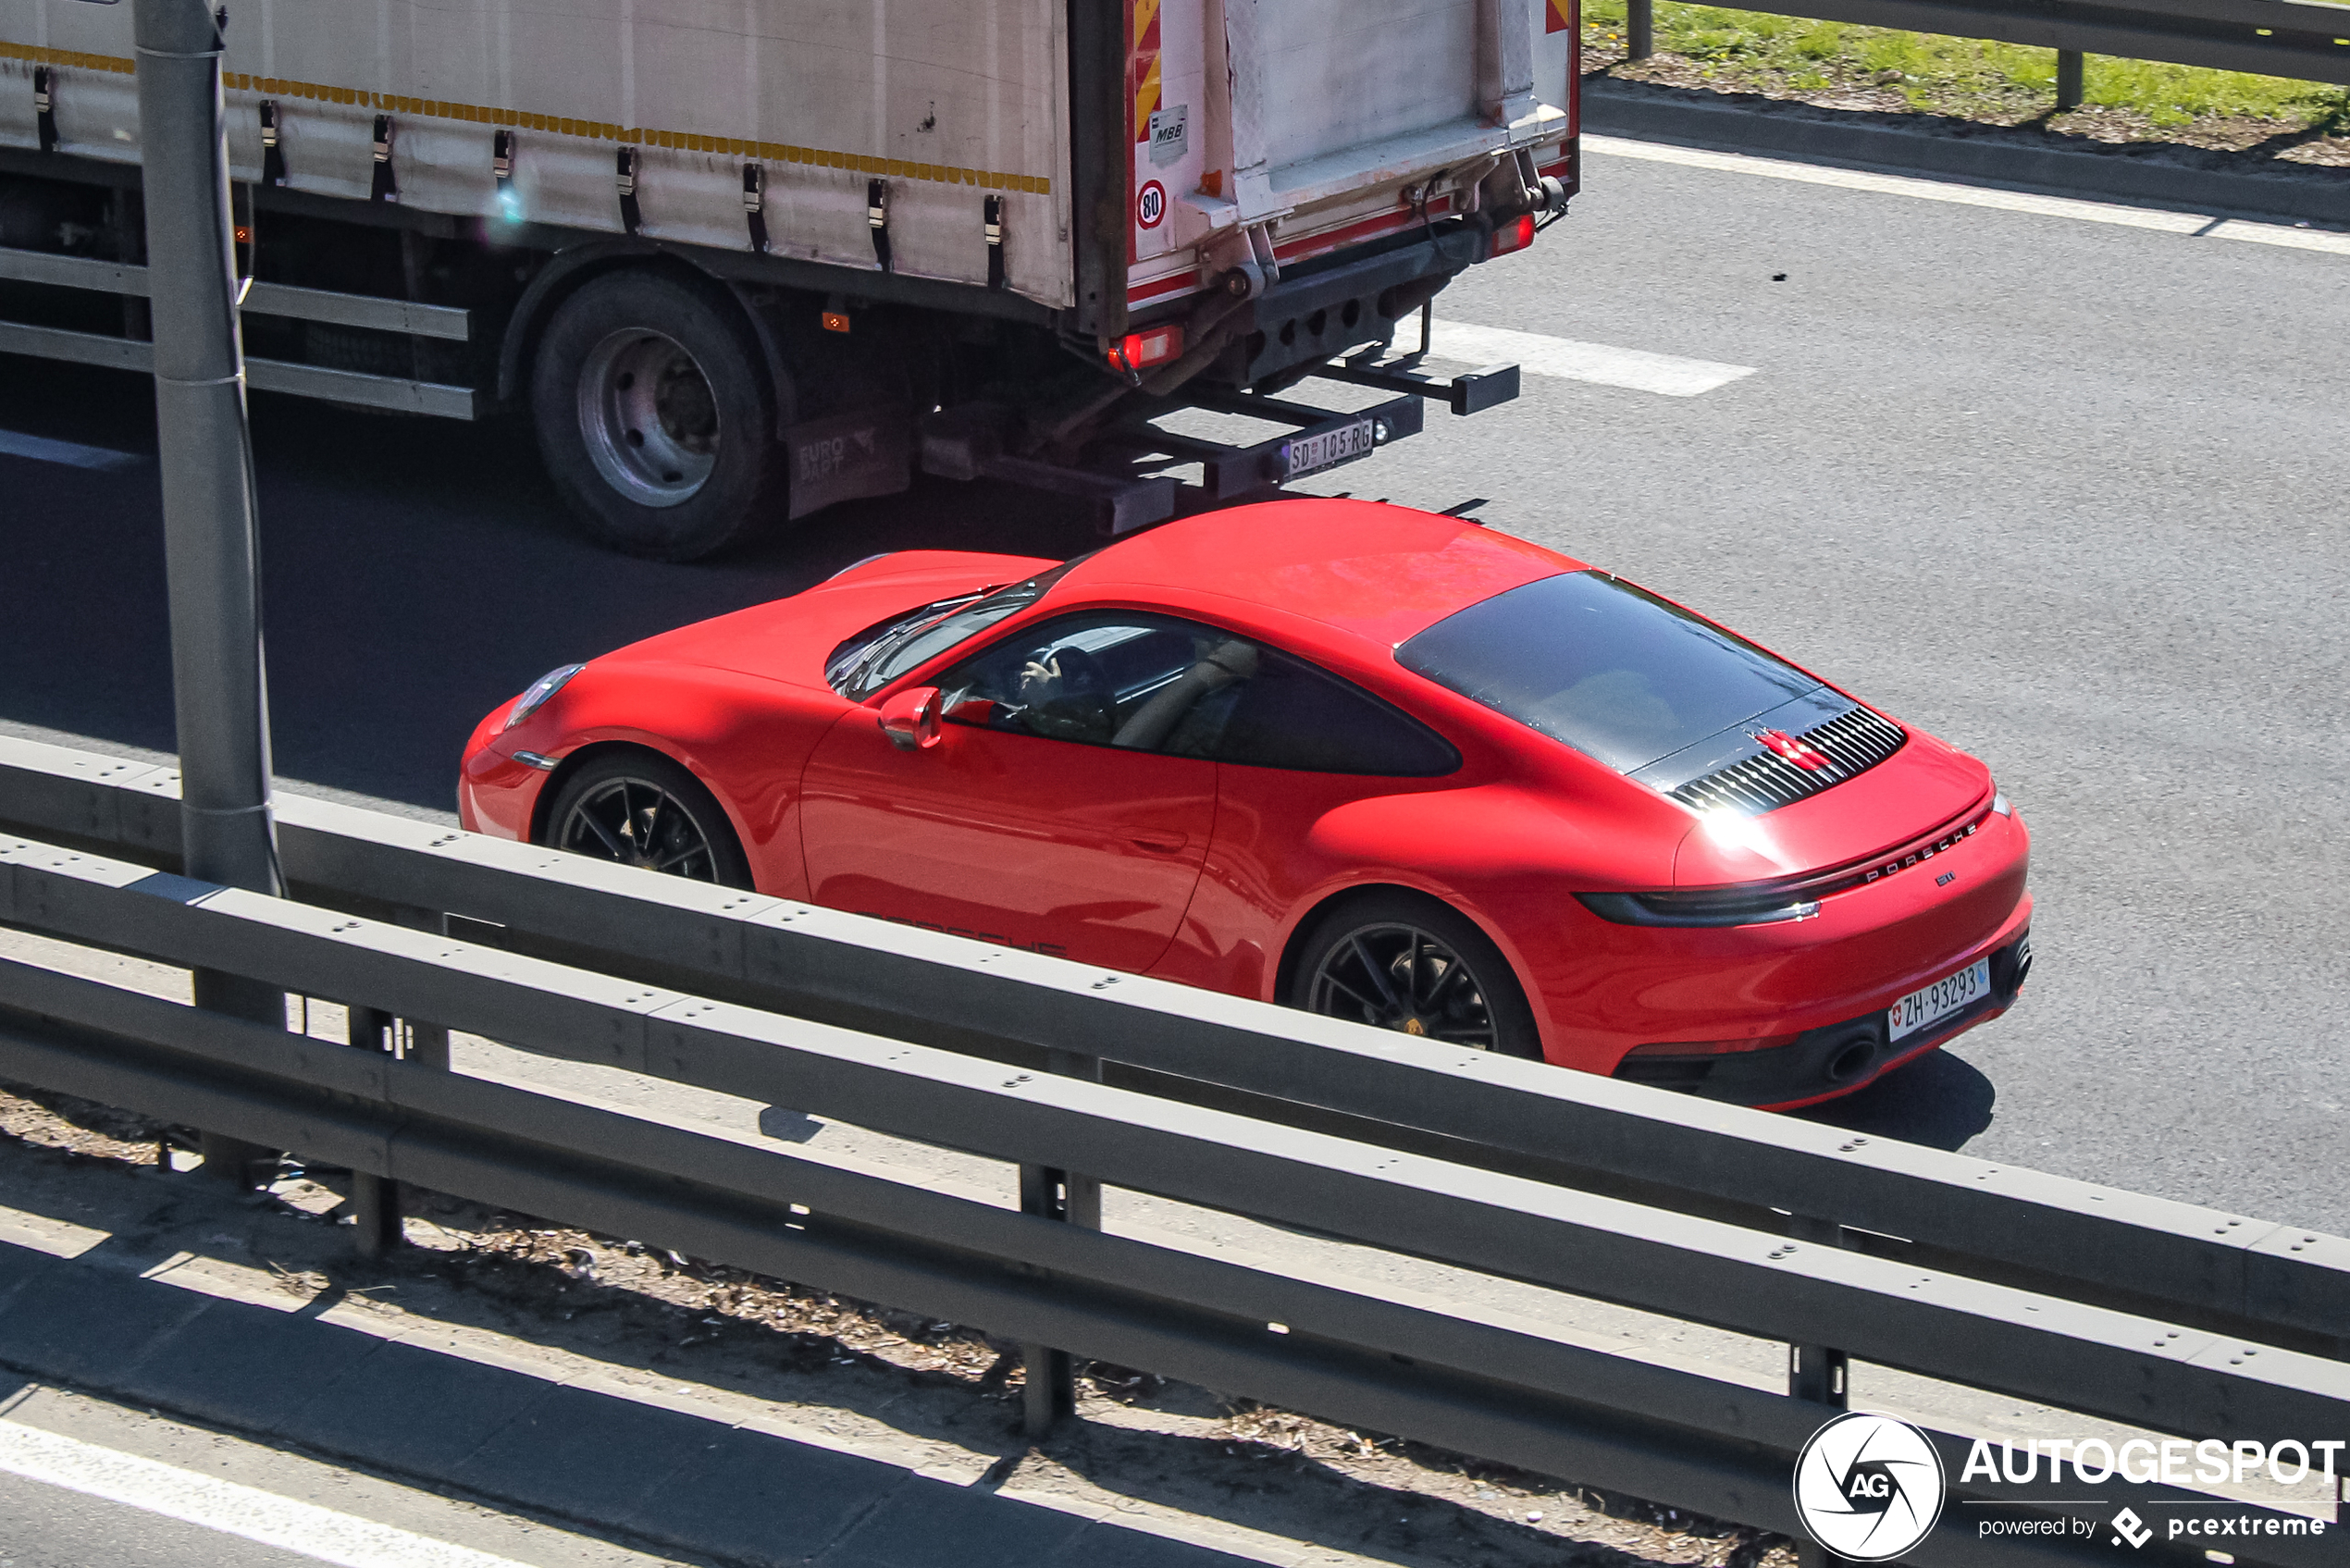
x,y
244,1511
1537,355
2194,224
73,454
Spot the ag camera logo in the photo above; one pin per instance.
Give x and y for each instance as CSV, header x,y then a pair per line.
x,y
1868,1488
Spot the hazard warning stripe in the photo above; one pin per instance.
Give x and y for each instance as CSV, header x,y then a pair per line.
x,y
559,125
1558,19
1143,66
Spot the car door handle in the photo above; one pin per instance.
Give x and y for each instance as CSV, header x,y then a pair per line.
x,y
1158,842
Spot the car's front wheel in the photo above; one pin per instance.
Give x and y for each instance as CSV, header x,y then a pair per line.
x,y
1398,960
640,808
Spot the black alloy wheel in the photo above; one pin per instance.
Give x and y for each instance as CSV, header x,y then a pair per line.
x,y
1413,966
644,810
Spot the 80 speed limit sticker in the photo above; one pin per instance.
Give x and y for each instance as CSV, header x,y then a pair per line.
x,y
1150,204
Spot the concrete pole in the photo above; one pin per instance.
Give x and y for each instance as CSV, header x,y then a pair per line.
x,y
211,542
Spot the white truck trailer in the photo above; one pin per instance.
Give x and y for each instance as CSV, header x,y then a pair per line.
x,y
738,260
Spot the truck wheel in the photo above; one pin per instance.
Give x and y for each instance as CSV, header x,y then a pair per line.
x,y
655,418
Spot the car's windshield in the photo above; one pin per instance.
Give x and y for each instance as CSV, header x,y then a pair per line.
x,y
1611,670
878,655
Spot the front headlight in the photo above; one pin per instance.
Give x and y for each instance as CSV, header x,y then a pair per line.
x,y
540,691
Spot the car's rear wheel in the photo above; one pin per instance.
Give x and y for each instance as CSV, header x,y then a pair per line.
x,y
640,808
1401,961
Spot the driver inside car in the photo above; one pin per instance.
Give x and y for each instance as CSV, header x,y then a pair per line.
x,y
1121,683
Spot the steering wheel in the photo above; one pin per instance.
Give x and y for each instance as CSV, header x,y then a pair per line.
x,y
1066,695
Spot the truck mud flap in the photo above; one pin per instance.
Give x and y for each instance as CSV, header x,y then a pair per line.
x,y
848,457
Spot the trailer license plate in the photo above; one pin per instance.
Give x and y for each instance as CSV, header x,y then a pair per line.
x,y
1326,449
1939,1000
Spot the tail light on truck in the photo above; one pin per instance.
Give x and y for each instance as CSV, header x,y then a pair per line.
x,y
1153,345
1515,235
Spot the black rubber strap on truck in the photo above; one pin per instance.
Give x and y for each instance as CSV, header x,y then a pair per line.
x,y
44,108
387,187
626,177
994,242
273,158
877,216
501,159
755,205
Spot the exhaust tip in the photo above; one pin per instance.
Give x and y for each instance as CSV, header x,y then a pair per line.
x,y
1852,1061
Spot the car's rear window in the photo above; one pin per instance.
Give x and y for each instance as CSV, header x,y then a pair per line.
x,y
1610,669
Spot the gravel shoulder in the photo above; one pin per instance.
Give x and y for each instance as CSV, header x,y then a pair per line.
x,y
940,1398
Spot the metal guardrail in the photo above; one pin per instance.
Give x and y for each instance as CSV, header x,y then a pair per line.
x,y
2229,1272
2287,38
1609,1421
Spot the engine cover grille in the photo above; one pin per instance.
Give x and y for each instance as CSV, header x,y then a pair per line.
x,y
1785,769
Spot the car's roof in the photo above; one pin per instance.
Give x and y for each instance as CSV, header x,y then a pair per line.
x,y
1378,572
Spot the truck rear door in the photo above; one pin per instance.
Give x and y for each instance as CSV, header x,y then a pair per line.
x,y
1324,124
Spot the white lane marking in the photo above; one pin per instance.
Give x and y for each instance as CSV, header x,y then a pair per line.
x,y
2201,225
2277,234
1636,368
73,454
233,1510
1900,185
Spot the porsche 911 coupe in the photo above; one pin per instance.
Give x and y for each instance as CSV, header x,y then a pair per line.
x,y
1392,767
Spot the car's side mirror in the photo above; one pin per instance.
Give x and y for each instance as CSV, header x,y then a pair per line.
x,y
910,719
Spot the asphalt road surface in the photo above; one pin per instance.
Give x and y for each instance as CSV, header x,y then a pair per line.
x,y
2065,491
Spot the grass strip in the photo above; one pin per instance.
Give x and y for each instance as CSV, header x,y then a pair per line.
x,y
1836,64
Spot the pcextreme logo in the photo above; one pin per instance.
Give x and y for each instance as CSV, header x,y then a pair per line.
x,y
1868,1488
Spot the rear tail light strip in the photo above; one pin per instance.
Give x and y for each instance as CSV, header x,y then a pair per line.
x,y
1753,904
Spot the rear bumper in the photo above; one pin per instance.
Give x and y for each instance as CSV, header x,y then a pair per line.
x,y
1316,315
1833,1060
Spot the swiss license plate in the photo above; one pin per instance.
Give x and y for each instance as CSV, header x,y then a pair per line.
x,y
1326,447
1939,1000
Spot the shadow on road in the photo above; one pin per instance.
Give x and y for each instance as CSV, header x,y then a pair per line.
x,y
416,573
1939,1099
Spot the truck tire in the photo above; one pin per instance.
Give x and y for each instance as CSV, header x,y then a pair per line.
x,y
655,418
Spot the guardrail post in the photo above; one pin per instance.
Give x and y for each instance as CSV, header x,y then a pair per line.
x,y
1818,1373
1639,28
375,1199
1050,1376
427,1045
2070,71
241,1165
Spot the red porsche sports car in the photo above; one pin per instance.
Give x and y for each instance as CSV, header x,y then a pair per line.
x,y
1392,767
